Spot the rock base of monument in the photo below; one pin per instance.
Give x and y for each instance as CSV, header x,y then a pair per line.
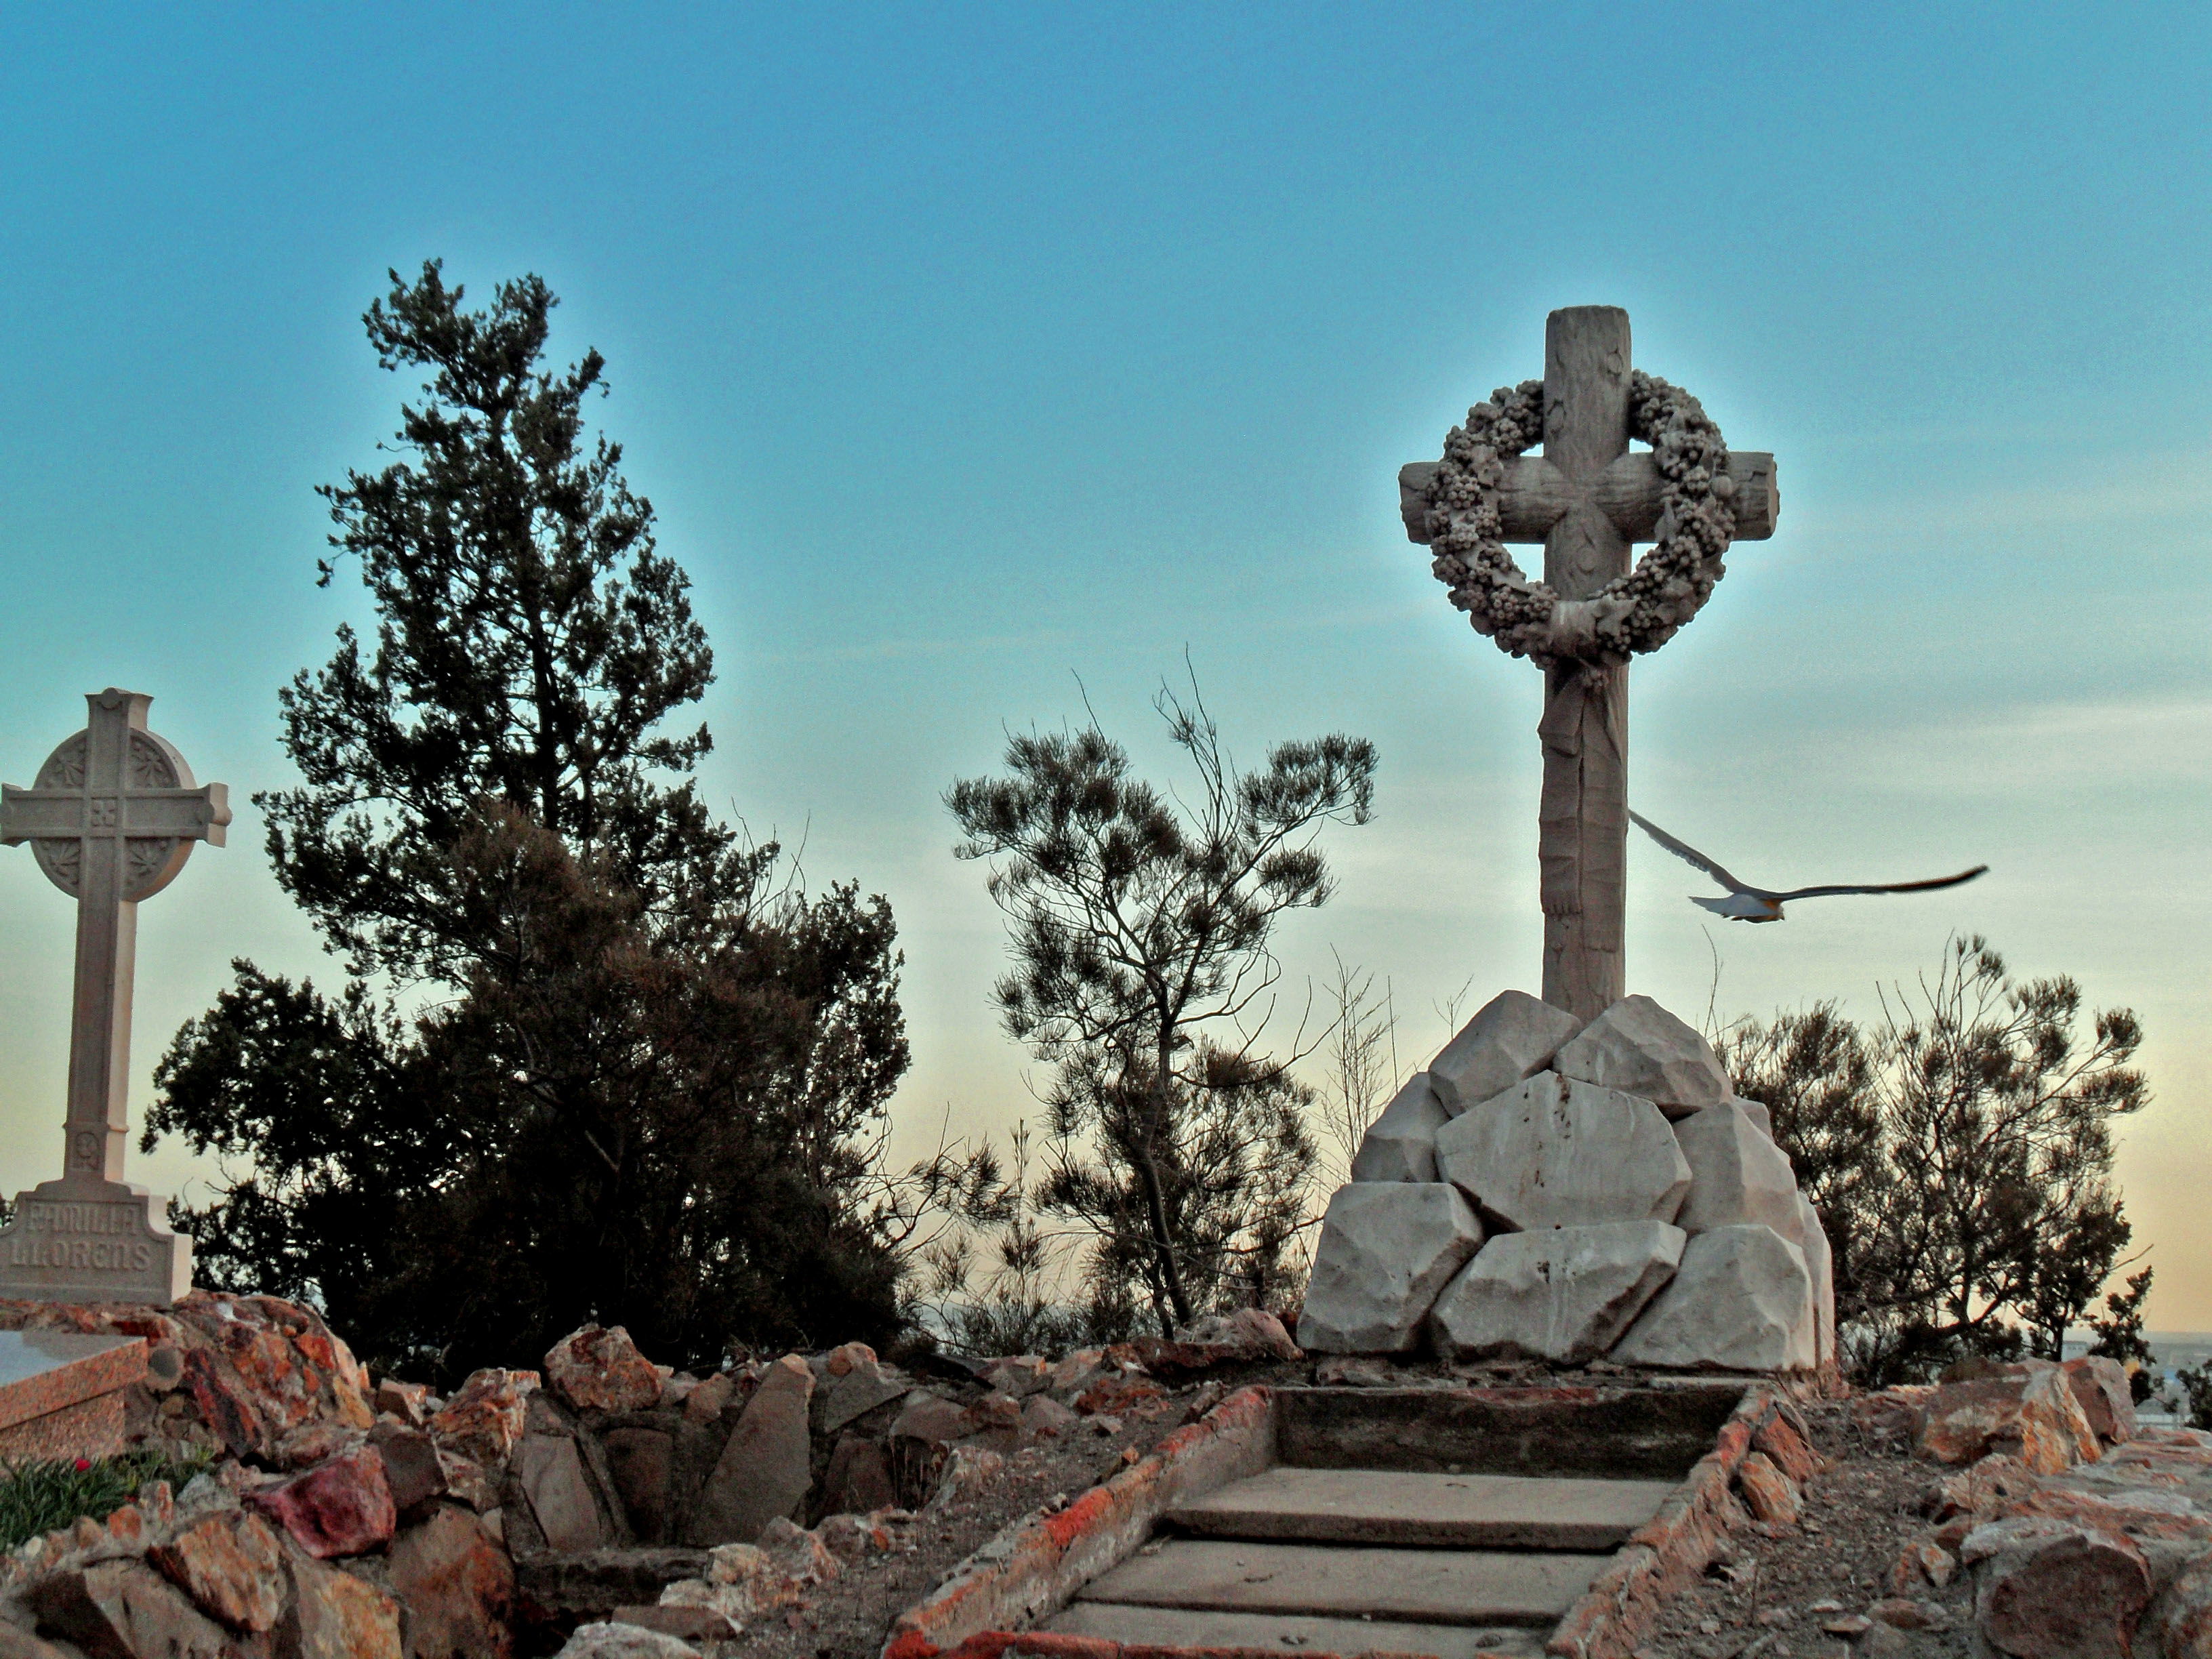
x,y
1556,1192
85,1240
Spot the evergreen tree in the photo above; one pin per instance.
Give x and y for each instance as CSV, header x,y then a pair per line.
x,y
637,1079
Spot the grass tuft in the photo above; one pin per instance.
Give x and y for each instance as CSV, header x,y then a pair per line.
x,y
40,1496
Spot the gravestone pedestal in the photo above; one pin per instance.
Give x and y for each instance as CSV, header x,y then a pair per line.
x,y
89,1240
62,1394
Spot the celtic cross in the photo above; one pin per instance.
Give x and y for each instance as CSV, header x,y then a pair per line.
x,y
1589,499
111,819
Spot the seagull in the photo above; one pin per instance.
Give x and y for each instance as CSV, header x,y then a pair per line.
x,y
1757,904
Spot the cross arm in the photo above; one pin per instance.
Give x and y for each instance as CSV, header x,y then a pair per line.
x,y
1533,495
198,814
39,814
147,814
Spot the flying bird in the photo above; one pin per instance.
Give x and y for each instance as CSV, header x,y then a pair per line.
x,y
1745,904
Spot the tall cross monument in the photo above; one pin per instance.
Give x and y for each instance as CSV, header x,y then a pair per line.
x,y
1589,499
111,819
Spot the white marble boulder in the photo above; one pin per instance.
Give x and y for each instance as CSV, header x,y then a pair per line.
x,y
1736,1174
1562,1294
1513,1037
1742,1300
1821,1260
1386,1248
1640,1049
1400,1145
1550,1152
1757,1112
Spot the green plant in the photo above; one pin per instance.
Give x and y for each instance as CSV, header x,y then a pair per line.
x,y
1960,1155
1140,922
43,1496
2196,1384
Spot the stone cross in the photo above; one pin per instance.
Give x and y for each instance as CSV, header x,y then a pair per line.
x,y
110,819
1589,499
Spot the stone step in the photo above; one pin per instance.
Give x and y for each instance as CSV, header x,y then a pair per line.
x,y
1427,1586
1177,1627
1470,1511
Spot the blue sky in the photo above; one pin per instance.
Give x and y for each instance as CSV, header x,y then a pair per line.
x,y
966,350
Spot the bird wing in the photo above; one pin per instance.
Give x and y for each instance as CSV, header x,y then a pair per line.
x,y
1690,854
1886,887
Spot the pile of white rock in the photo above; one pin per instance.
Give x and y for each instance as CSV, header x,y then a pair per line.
x,y
1547,1190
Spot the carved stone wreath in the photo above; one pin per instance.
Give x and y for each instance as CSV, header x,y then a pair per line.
x,y
1640,611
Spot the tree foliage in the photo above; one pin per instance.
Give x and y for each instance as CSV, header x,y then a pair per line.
x,y
1140,933
531,642
608,1067
1959,1154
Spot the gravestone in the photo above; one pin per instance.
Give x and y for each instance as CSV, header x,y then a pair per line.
x,y
111,818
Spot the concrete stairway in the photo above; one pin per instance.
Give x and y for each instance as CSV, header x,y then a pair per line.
x,y
1358,1560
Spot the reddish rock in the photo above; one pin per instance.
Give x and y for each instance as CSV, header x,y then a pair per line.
x,y
1893,1415
1072,1373
599,1369
1045,1418
967,1472
466,1480
858,1478
2049,1589
1019,1375
685,1623
798,1554
741,1582
407,1402
1786,1449
126,1610
343,1507
1176,1360
2100,1385
1770,1495
933,1421
1996,1485
1249,1333
855,1537
2184,1613
765,1468
995,1421
316,1441
411,1465
231,1566
704,1403
457,1587
641,1462
1900,1613
484,1421
844,1360
335,1615
2027,1411
551,1473
861,1389
224,1406
1116,1395
257,1367
1924,1561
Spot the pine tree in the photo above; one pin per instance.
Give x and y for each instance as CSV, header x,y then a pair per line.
x,y
592,1059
